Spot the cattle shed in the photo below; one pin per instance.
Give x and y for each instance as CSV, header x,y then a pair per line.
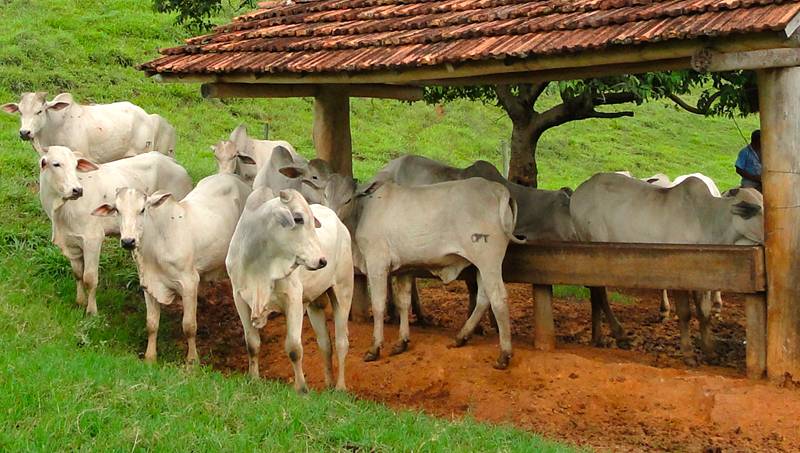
x,y
336,49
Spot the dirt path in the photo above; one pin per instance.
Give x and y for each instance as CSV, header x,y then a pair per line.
x,y
641,399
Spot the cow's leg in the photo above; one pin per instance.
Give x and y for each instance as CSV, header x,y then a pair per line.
x,y
617,331
76,262
664,308
153,318
316,315
683,309
294,345
491,284
472,287
702,303
401,288
482,303
341,297
91,270
189,298
377,291
416,305
595,295
716,306
252,338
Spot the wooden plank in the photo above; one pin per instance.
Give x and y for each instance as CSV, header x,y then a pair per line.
x,y
779,100
544,330
654,266
712,61
331,130
656,54
756,313
273,90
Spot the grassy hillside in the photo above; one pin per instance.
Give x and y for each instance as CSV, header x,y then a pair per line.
x,y
67,382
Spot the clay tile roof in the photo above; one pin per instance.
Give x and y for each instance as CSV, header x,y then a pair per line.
x,y
302,36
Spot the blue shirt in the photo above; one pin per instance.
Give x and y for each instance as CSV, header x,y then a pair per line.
x,y
748,161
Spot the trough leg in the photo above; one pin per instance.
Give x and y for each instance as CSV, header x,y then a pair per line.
x,y
544,330
596,295
153,318
756,312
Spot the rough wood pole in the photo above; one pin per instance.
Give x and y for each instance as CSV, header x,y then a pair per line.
x,y
332,129
544,334
756,314
779,101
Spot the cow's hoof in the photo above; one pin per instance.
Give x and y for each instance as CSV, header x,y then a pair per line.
x,y
690,361
341,387
302,390
150,360
663,317
459,342
502,361
400,347
479,330
372,355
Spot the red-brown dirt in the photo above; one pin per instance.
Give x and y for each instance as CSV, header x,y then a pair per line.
x,y
642,399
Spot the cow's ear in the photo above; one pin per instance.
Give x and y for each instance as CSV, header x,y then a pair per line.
x,y
42,163
105,210
316,223
85,166
11,108
57,105
745,210
284,217
370,189
246,159
157,199
291,172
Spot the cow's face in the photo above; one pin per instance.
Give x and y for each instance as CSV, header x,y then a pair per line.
x,y
129,205
33,108
60,167
338,195
748,215
294,228
313,177
226,155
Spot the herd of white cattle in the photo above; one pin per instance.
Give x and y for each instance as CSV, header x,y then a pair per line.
x,y
109,170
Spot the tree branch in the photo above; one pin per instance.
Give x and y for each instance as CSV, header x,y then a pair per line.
x,y
615,98
692,109
596,114
514,107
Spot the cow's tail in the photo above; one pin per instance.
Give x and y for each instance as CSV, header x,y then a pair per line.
x,y
509,227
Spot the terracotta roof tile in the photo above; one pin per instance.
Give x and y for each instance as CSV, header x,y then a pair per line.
x,y
304,36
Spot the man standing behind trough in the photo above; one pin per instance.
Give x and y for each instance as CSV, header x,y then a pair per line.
x,y
748,164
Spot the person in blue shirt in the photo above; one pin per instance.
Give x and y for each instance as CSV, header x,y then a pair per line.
x,y
748,163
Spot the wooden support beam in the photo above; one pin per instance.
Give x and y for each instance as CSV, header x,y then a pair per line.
x,y
709,60
779,101
544,330
755,306
332,129
648,57
275,90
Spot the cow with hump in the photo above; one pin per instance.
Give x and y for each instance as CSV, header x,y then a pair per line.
x,y
177,244
442,228
615,208
101,133
287,256
71,187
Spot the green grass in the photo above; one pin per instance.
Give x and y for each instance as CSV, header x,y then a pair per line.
x,y
69,383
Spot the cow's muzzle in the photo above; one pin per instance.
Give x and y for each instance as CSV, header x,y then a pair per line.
x,y
25,135
128,243
75,193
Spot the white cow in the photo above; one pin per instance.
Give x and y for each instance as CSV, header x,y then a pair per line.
x,y
255,154
178,244
101,133
71,187
274,237
614,208
443,228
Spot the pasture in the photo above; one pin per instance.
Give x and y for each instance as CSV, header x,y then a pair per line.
x,y
71,382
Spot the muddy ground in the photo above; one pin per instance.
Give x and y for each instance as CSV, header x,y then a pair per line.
x,y
642,399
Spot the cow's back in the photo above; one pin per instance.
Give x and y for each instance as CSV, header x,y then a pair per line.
x,y
156,171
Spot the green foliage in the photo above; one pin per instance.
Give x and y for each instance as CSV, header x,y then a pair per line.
x,y
198,15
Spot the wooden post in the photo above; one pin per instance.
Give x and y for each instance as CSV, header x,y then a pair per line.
x,y
544,334
332,129
756,314
779,101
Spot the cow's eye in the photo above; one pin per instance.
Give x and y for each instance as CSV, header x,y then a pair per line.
x,y
348,200
298,219
314,177
56,165
39,112
142,211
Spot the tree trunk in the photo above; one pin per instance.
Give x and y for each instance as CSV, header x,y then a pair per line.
x,y
522,169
